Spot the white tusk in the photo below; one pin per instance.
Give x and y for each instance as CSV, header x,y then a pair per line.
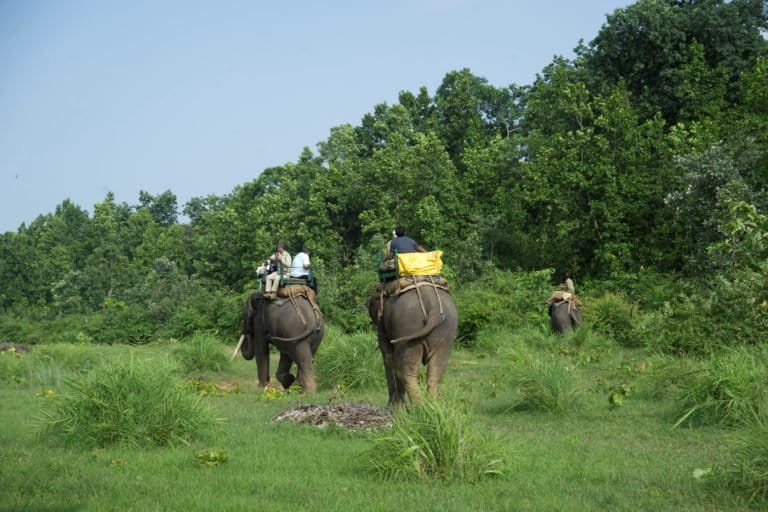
x,y
239,344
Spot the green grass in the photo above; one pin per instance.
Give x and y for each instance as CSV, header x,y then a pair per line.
x,y
436,440
590,458
729,389
349,361
135,402
201,352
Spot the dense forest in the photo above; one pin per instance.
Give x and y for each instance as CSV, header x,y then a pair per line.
x,y
639,166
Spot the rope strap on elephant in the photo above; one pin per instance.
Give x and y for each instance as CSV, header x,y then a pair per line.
x,y
406,284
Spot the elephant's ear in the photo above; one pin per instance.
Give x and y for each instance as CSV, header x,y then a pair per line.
x,y
373,304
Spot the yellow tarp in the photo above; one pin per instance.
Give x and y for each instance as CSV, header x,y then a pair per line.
x,y
420,263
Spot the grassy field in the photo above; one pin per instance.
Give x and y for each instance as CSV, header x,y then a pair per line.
x,y
586,454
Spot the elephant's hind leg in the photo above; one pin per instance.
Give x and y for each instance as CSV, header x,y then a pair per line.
x,y
436,367
407,360
283,374
394,389
306,373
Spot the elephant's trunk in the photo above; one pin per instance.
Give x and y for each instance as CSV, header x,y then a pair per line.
x,y
433,321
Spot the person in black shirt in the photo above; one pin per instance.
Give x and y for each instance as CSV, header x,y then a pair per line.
x,y
403,244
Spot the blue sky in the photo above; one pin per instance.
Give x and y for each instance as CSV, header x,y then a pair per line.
x,y
199,96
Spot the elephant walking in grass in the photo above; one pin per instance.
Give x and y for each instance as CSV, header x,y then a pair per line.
x,y
294,325
564,315
416,325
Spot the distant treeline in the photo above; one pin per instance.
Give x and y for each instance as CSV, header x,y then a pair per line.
x,y
649,150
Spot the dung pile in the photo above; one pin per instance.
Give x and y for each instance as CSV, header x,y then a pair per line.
x,y
349,415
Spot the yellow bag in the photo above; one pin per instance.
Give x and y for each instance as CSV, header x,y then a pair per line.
x,y
420,263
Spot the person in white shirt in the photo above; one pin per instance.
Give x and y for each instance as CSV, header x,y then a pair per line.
x,y
301,264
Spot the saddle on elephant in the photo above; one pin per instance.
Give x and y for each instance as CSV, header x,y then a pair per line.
x,y
403,285
560,296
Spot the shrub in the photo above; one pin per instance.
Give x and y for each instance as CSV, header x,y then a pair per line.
x,y
12,367
611,315
546,383
129,401
748,471
352,361
203,351
729,390
434,441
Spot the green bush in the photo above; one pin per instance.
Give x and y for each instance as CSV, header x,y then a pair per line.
x,y
123,323
203,351
352,361
748,471
12,367
435,440
129,401
730,389
611,315
546,383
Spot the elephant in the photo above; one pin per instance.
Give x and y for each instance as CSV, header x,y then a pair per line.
x,y
564,315
294,325
414,327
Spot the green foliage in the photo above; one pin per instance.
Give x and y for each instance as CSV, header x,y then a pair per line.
x,y
546,384
611,315
349,361
501,298
728,390
132,402
201,352
435,440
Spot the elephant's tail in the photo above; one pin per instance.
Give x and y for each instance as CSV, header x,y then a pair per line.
x,y
433,320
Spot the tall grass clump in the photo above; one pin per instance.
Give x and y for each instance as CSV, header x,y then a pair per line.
x,y
202,351
352,361
545,384
748,471
611,315
435,440
128,402
730,389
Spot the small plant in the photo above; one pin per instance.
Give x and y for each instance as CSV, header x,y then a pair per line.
x,y
210,458
128,401
546,384
434,441
203,351
352,361
729,390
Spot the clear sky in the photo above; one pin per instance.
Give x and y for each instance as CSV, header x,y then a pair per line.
x,y
200,96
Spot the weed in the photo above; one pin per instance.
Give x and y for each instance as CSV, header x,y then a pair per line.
x,y
203,351
729,389
128,401
352,361
434,441
545,384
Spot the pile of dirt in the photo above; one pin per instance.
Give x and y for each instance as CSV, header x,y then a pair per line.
x,y
348,415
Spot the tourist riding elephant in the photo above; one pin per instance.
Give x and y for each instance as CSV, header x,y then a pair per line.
x,y
295,326
414,327
564,315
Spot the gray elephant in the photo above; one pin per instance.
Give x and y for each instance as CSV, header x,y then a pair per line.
x,y
415,326
564,315
294,325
